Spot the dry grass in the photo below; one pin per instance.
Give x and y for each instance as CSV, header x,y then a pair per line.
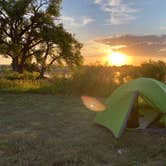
x,y
48,130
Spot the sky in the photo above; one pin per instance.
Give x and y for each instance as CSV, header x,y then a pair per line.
x,y
94,20
96,23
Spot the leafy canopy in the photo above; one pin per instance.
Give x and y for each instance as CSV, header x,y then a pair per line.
x,y
30,28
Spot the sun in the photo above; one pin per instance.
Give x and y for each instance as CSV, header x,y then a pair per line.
x,y
117,59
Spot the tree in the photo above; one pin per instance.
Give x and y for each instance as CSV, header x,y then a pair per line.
x,y
153,69
60,47
26,25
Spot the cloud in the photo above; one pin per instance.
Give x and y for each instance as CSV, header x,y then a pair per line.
x,y
95,49
138,49
119,11
77,23
97,1
95,52
87,21
144,46
163,28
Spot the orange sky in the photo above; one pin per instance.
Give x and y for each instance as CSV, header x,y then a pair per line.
x,y
95,52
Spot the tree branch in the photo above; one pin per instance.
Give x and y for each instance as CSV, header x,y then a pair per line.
x,y
53,60
30,47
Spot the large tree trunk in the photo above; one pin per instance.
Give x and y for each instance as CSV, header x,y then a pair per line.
x,y
42,72
15,64
20,68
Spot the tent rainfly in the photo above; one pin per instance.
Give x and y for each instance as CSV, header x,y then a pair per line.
x,y
120,103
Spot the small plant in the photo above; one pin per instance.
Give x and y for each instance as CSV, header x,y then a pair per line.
x,y
9,75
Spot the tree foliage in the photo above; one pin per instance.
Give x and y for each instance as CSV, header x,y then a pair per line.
x,y
60,47
30,28
154,69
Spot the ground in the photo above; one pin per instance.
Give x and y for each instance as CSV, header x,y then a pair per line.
x,y
48,130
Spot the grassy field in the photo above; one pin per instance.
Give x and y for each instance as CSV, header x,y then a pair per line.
x,y
52,130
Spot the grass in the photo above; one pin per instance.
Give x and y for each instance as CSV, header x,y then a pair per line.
x,y
84,82
88,80
55,130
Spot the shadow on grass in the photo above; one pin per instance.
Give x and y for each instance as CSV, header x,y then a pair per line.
x,y
48,130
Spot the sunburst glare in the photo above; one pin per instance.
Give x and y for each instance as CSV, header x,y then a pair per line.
x,y
117,59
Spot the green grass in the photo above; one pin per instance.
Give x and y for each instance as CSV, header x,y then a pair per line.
x,y
55,130
88,80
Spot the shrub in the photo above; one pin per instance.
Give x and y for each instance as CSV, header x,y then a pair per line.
x,y
85,80
93,80
9,75
152,69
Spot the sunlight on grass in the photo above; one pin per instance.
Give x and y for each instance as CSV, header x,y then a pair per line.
x,y
63,132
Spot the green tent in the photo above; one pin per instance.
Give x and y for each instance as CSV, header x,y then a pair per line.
x,y
120,103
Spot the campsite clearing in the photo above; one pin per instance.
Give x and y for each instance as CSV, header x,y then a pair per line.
x,y
50,130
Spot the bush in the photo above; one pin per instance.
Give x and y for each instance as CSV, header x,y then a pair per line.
x,y
9,75
85,80
152,69
20,85
93,80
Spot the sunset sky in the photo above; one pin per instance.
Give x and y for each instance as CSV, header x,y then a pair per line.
x,y
134,28
95,20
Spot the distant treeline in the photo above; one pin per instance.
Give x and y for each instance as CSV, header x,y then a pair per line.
x,y
83,80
